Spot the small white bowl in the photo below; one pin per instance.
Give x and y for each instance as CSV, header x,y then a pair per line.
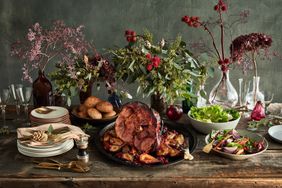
x,y
253,136
206,128
275,132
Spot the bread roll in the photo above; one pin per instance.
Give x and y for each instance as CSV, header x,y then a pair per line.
x,y
82,108
94,114
109,114
82,114
104,106
91,102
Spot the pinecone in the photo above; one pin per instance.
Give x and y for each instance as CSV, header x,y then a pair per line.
x,y
39,136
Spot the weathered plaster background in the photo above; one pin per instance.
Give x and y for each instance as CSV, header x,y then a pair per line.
x,y
106,20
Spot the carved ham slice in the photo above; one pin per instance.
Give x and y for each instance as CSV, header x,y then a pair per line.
x,y
137,126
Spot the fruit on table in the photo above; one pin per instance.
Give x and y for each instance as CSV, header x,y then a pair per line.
x,y
174,112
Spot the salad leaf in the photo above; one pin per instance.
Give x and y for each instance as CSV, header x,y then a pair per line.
x,y
232,144
213,114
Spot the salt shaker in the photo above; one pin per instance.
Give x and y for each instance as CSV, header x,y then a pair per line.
x,y
82,145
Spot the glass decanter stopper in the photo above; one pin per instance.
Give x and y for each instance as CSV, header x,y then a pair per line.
x,y
255,95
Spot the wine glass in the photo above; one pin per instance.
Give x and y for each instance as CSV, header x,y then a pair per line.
x,y
24,94
14,96
4,97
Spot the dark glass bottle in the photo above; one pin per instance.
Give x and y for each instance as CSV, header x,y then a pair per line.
x,y
83,95
42,91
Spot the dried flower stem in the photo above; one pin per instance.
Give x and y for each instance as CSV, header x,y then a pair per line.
x,y
256,74
212,37
221,35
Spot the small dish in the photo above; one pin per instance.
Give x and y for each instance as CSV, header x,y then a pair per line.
x,y
56,112
254,136
275,132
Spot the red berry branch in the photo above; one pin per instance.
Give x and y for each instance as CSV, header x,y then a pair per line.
x,y
130,36
154,62
194,21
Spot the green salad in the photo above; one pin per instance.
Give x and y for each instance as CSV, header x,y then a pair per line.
x,y
213,114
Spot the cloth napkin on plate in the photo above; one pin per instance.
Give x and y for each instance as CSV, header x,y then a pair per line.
x,y
73,132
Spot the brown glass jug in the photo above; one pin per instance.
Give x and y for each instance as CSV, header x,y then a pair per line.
x,y
42,91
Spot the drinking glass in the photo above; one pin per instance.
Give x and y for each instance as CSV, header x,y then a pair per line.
x,y
24,94
4,97
15,98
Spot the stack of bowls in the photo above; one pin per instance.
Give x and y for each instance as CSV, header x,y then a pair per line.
x,y
57,115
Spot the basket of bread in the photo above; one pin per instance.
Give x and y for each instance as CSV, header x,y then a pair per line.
x,y
95,109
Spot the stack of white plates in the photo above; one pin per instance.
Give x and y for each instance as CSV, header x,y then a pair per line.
x,y
45,151
58,115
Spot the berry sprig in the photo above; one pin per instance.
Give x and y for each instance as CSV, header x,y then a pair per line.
x,y
130,35
194,21
220,6
154,62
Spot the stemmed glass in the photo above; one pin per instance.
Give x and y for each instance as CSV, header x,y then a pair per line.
x,y
4,97
12,89
24,95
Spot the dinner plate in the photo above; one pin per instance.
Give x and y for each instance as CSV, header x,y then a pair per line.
x,y
254,136
275,132
47,148
60,151
94,122
190,138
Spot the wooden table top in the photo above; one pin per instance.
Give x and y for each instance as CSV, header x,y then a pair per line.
x,y
206,170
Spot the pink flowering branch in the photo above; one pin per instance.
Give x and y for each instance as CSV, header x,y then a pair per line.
x,y
41,46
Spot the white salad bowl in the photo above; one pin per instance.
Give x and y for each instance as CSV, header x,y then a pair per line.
x,y
252,136
206,128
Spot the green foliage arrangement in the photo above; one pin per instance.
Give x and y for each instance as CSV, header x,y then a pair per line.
x,y
78,76
166,68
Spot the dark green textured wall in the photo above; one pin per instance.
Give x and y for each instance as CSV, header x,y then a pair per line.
x,y
106,20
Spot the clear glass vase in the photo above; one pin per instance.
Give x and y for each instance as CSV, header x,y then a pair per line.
x,y
223,93
201,101
255,95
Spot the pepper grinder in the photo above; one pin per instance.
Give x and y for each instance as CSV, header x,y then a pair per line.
x,y
82,145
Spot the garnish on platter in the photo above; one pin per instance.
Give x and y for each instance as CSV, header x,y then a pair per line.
x,y
235,145
138,137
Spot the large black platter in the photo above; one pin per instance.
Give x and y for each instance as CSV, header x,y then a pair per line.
x,y
189,135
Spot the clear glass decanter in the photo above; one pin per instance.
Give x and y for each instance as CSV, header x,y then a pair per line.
x,y
223,93
255,95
